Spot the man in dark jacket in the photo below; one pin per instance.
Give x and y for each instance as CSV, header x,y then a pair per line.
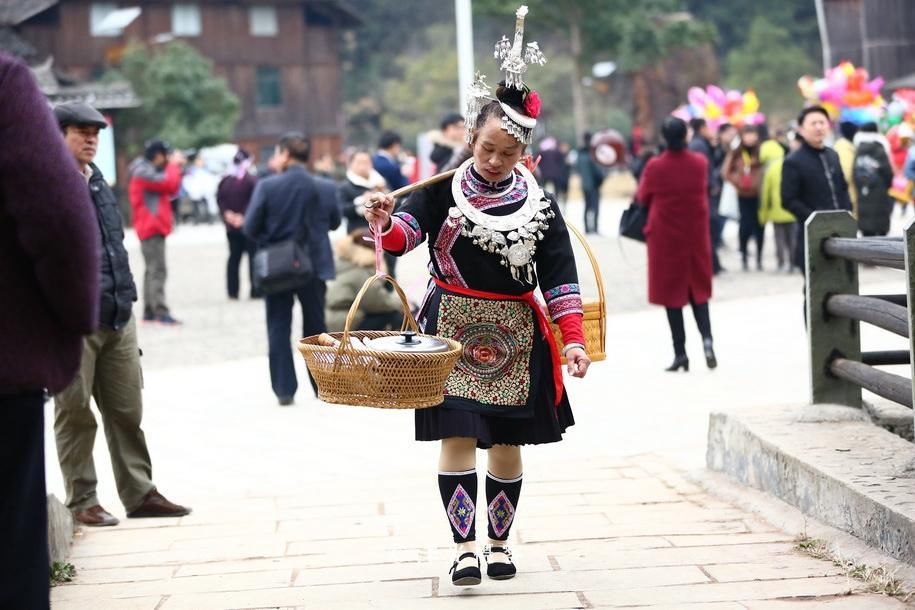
x,y
701,143
592,176
812,177
49,299
284,207
385,160
449,141
110,370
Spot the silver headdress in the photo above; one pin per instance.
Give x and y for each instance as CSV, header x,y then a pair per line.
x,y
515,59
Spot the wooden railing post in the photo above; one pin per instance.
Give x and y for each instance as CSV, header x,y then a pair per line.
x,y
909,241
830,336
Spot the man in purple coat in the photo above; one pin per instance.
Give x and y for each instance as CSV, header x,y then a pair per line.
x,y
49,292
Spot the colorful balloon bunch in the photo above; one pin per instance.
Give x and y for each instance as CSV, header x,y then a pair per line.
x,y
718,107
901,108
846,92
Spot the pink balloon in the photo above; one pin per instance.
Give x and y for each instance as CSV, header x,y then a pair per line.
x,y
876,85
682,113
716,94
696,97
734,96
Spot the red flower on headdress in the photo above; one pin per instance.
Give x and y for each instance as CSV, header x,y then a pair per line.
x,y
532,104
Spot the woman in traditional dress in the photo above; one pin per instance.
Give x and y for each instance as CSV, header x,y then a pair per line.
x,y
494,236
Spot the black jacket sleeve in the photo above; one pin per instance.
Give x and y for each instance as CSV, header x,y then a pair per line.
x,y
791,190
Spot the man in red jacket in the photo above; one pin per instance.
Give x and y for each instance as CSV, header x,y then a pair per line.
x,y
154,180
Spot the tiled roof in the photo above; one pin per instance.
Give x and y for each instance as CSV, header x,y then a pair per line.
x,y
104,96
17,11
14,44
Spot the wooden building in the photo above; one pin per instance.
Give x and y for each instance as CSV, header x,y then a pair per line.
x,y
876,34
280,57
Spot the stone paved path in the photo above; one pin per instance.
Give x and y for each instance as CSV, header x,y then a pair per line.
x,y
603,532
328,507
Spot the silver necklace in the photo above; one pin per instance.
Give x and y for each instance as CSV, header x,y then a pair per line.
x,y
515,236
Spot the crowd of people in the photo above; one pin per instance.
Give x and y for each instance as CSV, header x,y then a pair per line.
x,y
701,179
690,185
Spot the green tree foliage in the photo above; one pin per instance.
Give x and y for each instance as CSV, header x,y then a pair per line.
x,y
634,34
733,20
183,101
426,88
770,63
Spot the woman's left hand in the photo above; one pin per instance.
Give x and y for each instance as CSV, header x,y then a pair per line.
x,y
578,362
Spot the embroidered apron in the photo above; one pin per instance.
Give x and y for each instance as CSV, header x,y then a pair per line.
x,y
504,350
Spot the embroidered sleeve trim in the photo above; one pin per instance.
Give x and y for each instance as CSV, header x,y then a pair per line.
x,y
561,290
411,229
564,305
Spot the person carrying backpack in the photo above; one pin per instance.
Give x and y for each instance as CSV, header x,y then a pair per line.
x,y
873,176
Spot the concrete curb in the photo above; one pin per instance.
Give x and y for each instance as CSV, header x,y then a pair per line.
x,y
829,462
60,530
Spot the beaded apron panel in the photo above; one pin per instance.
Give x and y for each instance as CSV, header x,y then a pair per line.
x,y
497,337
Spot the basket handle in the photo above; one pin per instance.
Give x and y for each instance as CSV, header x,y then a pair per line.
x,y
408,322
595,268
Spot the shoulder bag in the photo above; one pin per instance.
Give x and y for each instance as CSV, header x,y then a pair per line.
x,y
285,265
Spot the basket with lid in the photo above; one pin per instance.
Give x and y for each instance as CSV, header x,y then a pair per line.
x,y
389,370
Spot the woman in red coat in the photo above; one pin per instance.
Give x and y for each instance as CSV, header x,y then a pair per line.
x,y
673,188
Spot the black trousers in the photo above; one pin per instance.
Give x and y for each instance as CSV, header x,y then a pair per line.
x,y
592,209
716,226
239,245
311,298
23,503
678,331
750,227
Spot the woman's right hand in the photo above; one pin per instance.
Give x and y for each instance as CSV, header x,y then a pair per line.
x,y
378,209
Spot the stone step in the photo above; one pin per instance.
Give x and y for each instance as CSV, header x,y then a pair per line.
x,y
828,461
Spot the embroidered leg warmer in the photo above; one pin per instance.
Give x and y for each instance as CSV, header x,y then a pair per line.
x,y
502,499
459,495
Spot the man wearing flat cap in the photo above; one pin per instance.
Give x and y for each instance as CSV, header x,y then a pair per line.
x,y
110,370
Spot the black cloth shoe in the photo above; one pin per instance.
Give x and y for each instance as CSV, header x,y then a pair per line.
x,y
466,577
500,570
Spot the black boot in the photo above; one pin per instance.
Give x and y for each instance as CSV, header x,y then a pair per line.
x,y
680,362
710,358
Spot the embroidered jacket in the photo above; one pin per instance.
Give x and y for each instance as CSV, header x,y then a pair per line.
x,y
456,260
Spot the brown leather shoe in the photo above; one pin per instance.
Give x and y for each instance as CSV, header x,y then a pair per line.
x,y
95,516
155,505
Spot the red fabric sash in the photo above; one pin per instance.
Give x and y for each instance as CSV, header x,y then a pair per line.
x,y
530,299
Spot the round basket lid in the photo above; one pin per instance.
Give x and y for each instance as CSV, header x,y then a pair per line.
x,y
409,342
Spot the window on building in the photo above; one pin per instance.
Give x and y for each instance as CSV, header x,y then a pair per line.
x,y
262,20
269,91
97,13
267,151
185,20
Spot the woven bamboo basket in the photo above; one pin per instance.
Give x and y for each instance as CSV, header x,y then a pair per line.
x,y
349,375
594,322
